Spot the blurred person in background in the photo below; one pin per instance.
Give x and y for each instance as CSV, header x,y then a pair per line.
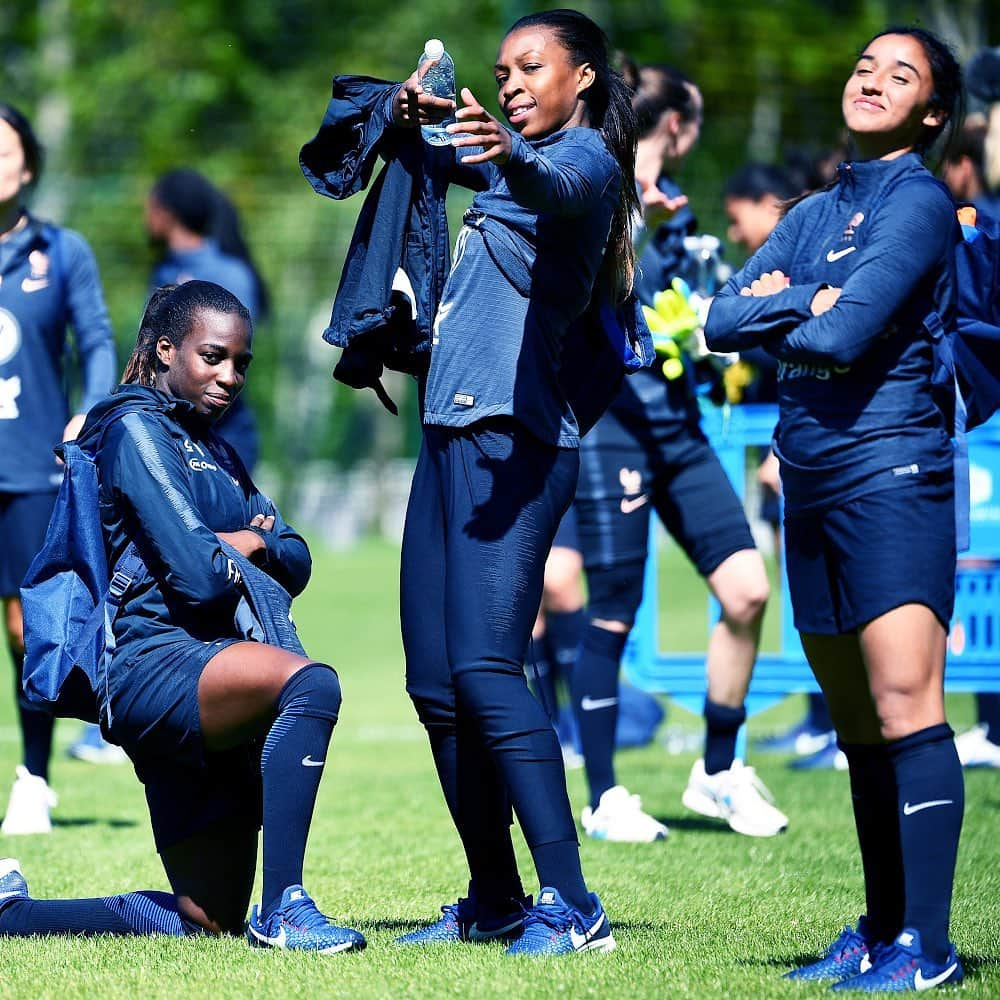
x,y
649,453
965,173
48,282
197,228
754,198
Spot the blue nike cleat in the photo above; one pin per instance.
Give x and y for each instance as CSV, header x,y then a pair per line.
x,y
295,924
12,884
900,967
846,957
458,923
552,927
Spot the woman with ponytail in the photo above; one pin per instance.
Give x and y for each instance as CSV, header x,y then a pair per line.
x,y
499,461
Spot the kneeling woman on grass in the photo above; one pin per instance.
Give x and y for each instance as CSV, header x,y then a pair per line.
x,y
225,734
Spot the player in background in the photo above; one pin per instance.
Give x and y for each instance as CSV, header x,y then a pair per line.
x,y
48,282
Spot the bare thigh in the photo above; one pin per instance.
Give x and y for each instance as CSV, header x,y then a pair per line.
x,y
238,691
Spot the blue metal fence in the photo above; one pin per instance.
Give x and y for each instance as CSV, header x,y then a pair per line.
x,y
974,642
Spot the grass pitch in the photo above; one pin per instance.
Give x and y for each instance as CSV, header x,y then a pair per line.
x,y
706,914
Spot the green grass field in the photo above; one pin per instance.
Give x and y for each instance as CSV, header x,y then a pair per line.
x,y
707,913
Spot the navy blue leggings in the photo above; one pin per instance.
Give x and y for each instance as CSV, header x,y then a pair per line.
x,y
484,507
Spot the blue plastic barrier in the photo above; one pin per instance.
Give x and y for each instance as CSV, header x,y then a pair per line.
x,y
974,643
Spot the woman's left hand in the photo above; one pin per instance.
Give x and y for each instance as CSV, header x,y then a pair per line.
x,y
770,283
477,127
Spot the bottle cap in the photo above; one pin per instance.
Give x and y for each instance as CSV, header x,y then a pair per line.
x,y
434,48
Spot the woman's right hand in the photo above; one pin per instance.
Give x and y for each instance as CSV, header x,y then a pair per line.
x,y
412,107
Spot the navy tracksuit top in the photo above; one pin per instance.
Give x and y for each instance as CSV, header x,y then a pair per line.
x,y
524,268
168,482
856,410
48,280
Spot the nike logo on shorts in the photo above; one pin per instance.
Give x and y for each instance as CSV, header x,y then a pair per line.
x,y
634,504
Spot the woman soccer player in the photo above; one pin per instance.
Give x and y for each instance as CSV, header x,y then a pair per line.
x,y
499,462
48,280
647,453
838,294
224,733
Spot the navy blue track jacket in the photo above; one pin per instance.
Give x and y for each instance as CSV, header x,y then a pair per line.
x,y
856,410
168,482
48,280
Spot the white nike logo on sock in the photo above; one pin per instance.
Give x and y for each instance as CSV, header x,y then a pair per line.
x,y
589,704
909,810
307,761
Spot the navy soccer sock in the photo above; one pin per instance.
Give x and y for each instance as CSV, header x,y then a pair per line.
x,y
594,689
722,725
818,716
483,817
563,632
36,726
133,913
291,765
558,865
988,709
876,818
931,801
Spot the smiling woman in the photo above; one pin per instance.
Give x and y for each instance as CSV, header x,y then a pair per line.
x,y
838,295
226,734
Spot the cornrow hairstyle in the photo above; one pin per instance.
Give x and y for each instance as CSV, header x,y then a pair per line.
x,y
34,155
170,313
609,106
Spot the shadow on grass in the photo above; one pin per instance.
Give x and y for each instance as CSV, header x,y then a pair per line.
x,y
970,963
697,823
71,821
405,926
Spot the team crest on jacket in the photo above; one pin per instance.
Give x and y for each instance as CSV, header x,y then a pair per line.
x,y
10,336
39,276
10,389
856,221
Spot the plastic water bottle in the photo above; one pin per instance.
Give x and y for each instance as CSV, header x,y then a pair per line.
x,y
439,80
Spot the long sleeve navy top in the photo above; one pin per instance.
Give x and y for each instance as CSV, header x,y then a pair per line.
x,y
854,383
48,281
168,482
524,268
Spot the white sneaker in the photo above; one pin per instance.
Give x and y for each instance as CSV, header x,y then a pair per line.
x,y
738,796
975,750
619,816
29,805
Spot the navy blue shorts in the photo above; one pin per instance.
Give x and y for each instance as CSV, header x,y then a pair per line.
x,y
155,717
24,518
852,563
683,482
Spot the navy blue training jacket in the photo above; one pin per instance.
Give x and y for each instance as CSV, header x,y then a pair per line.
x,y
168,482
48,280
856,410
554,194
